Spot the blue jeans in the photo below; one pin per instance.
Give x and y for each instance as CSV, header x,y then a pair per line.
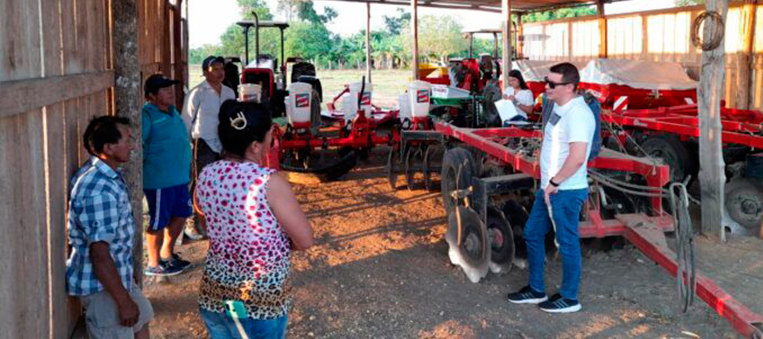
x,y
566,206
222,326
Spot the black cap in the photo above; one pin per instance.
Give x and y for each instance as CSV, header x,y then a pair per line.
x,y
156,82
209,60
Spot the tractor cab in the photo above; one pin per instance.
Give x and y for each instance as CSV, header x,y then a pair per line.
x,y
477,72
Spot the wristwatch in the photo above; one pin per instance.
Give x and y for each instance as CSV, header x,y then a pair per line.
x,y
551,181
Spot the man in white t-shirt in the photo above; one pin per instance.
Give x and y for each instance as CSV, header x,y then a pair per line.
x,y
567,139
201,114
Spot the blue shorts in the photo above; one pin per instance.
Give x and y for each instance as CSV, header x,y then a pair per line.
x,y
167,203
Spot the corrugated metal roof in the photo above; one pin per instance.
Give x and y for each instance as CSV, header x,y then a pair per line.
x,y
487,5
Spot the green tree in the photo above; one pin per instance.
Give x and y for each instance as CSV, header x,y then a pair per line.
x,y
394,24
307,40
561,13
232,41
197,55
439,38
684,3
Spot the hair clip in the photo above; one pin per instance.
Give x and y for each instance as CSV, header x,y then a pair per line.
x,y
239,122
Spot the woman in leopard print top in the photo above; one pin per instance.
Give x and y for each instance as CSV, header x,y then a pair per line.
x,y
254,221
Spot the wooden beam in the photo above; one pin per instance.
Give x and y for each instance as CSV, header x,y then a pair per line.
x,y
368,42
178,72
25,95
506,53
165,21
128,100
744,64
415,30
712,168
520,37
602,29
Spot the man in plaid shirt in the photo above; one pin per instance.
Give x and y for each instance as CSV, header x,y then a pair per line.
x,y
101,228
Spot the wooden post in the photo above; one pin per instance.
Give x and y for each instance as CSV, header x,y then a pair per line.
x,y
368,42
178,49
415,30
744,64
127,99
602,29
711,174
520,37
165,39
506,55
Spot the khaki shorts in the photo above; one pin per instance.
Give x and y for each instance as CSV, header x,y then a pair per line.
x,y
102,316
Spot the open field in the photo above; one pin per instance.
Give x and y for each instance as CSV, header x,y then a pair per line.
x,y
387,83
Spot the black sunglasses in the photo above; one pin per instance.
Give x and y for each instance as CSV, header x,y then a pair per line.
x,y
553,85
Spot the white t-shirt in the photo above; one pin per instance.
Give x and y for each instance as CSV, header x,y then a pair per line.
x,y
201,112
524,97
573,122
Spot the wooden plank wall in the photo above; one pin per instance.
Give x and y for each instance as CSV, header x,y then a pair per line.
x,y
45,51
662,35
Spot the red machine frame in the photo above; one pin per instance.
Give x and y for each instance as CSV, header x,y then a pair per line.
x,y
645,232
739,126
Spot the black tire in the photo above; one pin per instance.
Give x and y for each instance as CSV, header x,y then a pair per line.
x,y
315,113
744,203
432,163
672,152
411,156
393,167
501,237
458,168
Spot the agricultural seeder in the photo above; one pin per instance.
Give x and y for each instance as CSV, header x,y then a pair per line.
x,y
327,144
488,177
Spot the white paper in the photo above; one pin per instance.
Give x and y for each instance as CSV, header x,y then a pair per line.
x,y
506,109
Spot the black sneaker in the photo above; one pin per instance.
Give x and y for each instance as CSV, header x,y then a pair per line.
x,y
163,270
557,304
176,262
527,296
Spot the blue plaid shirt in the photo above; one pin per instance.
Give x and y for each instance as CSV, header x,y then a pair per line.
x,y
99,210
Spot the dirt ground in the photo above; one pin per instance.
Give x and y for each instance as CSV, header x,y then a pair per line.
x,y
380,269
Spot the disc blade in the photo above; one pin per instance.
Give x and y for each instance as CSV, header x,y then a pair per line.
x,y
471,251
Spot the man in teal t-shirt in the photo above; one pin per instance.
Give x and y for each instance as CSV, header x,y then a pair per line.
x,y
166,174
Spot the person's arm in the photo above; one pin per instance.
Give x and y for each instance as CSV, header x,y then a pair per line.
x,y
286,208
580,133
145,125
99,219
576,159
106,272
189,111
524,101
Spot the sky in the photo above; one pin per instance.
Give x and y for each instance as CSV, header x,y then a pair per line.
x,y
208,19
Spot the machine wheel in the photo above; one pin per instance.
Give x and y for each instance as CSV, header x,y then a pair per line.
x,y
315,113
672,152
432,163
347,162
501,240
393,167
744,204
458,168
414,153
468,243
492,94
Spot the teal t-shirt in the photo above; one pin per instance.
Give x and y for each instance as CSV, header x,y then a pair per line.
x,y
166,148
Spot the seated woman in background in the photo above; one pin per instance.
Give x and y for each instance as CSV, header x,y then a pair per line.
x,y
254,222
518,92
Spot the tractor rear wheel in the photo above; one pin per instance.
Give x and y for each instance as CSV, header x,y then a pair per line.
x,y
672,152
744,204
